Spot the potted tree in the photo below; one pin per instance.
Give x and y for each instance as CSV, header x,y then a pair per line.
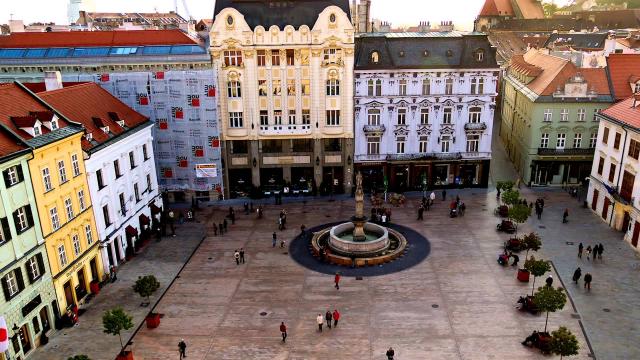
x,y
114,322
549,299
530,241
564,343
536,268
146,286
519,214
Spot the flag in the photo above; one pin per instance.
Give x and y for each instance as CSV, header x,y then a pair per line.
x,y
4,335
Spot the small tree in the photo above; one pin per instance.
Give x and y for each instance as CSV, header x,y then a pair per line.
x,y
146,286
519,214
531,241
536,268
504,185
115,321
564,343
79,357
511,197
549,299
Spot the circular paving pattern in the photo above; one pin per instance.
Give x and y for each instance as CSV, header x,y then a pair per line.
x,y
418,248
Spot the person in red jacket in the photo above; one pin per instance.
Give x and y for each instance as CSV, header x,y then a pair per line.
x,y
337,281
336,317
283,330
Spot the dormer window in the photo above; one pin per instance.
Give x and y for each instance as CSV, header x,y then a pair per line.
x,y
375,57
37,131
88,136
105,129
120,123
54,124
479,55
332,18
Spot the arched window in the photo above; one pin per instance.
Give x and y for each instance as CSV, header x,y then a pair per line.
x,y
333,87
479,55
375,57
233,89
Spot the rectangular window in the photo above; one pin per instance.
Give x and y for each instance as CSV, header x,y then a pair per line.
x,y
292,117
612,172
232,58
424,141
33,268
262,58
605,135
277,117
233,89
333,117
564,115
332,55
561,140
600,166
581,114
148,182
400,142
378,87
116,168
626,190
475,114
145,154
305,87
275,58
81,202
333,87
55,220
239,147
616,141
446,117
402,116
373,145
548,115
99,179
277,89
62,255
5,230
473,142
424,116
235,120
290,57
444,144
23,219
291,88
87,230
426,87
11,284
69,208
593,140
302,145
402,88
62,172
264,117
577,140
75,240
46,179
123,204
634,149
13,176
262,88
105,215
332,144
373,117
544,140
132,160
474,86
370,88
75,165
448,86
306,117
136,192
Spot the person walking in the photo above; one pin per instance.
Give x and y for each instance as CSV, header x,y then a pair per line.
x,y
283,331
549,280
336,279
172,219
242,255
220,229
319,321
444,194
600,251
182,349
580,248
576,275
462,207
588,251
329,317
390,353
587,281
565,215
516,258
336,317
225,224
432,197
275,239
282,243
420,212
236,255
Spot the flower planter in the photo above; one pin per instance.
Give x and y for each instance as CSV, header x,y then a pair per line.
x,y
523,275
95,287
125,355
153,321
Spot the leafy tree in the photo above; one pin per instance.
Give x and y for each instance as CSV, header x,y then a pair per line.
x,y
549,299
532,242
79,357
504,185
519,213
511,197
536,268
146,286
564,343
549,9
115,321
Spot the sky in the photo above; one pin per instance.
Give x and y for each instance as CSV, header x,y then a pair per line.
x,y
398,12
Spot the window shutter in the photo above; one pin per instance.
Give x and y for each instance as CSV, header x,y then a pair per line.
x,y
5,288
19,279
27,210
20,174
40,264
29,274
5,175
6,230
15,222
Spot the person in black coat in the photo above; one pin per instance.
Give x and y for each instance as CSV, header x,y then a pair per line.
x,y
576,275
390,353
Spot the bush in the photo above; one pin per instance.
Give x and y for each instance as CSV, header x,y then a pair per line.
x,y
564,343
511,197
146,286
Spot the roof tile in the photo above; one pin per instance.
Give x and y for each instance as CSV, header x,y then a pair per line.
x,y
95,38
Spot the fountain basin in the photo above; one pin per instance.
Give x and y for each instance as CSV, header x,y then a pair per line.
x,y
342,242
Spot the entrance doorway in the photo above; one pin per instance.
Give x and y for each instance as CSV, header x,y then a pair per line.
x,y
118,244
626,219
468,174
25,339
81,289
594,200
94,269
636,234
68,294
44,319
239,182
605,207
400,178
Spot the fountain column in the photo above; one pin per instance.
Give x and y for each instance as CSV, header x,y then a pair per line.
x,y
359,219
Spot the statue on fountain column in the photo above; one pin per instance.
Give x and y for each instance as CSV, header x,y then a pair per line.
x,y
359,195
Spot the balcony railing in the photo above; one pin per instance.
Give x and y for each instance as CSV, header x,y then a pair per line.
x,y
295,129
374,129
371,157
565,152
475,126
424,156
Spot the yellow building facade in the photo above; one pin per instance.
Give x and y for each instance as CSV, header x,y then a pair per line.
x,y
64,208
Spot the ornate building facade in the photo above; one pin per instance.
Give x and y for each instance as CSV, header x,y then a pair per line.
x,y
285,70
424,106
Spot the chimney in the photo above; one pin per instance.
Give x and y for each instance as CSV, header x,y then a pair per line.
x,y
52,80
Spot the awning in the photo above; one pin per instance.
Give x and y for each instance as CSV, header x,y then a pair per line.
x,y
144,219
155,209
131,231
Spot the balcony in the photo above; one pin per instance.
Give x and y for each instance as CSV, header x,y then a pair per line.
x,y
370,157
279,130
475,126
374,130
566,152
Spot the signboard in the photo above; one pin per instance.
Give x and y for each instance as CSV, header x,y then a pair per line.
x,y
4,335
206,170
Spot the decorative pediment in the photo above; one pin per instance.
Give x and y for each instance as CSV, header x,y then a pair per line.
x,y
401,130
448,102
231,43
425,103
546,128
447,129
424,130
374,104
476,102
402,103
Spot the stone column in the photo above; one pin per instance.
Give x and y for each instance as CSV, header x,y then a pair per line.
x,y
254,153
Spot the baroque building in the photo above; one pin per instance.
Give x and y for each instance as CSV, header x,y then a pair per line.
x,y
285,70
424,106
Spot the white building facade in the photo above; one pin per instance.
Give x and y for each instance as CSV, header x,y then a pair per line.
x,y
424,107
614,194
285,71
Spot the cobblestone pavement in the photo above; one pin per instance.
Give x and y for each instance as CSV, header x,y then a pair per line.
x,y
162,259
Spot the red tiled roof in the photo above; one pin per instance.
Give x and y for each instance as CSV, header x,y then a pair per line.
x,y
17,102
497,8
625,112
530,9
9,144
41,87
24,121
95,38
91,105
621,67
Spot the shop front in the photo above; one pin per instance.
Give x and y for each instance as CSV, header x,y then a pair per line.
x,y
372,176
301,180
239,182
559,172
332,180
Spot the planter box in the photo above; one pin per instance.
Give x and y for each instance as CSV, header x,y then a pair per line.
x,y
153,321
94,286
125,355
523,275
